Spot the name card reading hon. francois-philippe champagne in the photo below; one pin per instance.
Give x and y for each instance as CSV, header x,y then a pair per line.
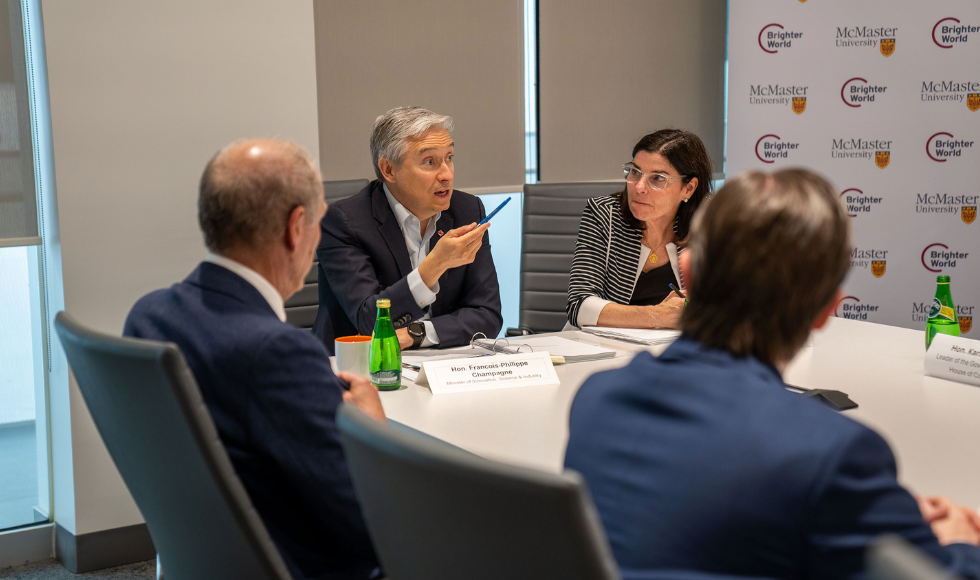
x,y
954,358
500,371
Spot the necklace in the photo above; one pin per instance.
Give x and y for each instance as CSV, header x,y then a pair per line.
x,y
653,257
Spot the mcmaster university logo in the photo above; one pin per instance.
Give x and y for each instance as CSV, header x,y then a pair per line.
x,y
954,91
877,149
964,315
944,203
868,36
780,95
873,257
774,36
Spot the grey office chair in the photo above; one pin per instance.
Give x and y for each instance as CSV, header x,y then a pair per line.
x,y
301,307
552,212
892,558
436,512
149,412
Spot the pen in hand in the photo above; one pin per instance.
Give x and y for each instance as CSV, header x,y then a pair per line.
x,y
676,290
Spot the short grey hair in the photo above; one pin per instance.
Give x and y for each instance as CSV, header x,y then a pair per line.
x,y
389,138
247,202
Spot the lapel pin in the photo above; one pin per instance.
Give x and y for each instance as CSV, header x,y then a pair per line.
x,y
439,232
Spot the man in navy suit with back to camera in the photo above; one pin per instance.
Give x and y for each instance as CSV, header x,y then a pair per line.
x,y
268,385
410,237
702,463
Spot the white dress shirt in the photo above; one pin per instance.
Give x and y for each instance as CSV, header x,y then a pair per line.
x,y
266,289
418,248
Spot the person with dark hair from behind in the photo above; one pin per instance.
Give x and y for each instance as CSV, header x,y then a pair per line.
x,y
701,462
629,242
268,385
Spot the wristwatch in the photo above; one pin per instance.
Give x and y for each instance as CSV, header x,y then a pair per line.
x,y
417,331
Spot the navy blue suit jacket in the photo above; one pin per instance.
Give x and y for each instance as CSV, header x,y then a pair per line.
x,y
273,398
700,461
363,257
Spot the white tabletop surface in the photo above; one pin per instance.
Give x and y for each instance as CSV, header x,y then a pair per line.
x,y
933,425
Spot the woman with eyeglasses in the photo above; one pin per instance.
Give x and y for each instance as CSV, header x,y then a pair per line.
x,y
628,242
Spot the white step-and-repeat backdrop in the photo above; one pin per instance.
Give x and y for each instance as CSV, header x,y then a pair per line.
x,y
883,98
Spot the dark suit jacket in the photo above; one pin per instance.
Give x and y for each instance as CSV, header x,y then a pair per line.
x,y
273,398
363,257
702,462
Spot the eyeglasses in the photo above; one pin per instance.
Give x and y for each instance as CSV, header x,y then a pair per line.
x,y
654,180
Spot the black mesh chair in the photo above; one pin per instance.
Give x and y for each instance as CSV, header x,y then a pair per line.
x,y
149,412
301,307
436,512
552,212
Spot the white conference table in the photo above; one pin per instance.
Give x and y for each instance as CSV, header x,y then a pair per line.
x,y
933,425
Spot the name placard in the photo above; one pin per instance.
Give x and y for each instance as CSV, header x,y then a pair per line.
x,y
502,371
954,358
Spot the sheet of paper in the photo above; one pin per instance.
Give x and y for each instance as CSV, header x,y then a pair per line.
x,y
648,336
954,358
570,350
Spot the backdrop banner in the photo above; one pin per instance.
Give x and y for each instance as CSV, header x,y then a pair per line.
x,y
885,101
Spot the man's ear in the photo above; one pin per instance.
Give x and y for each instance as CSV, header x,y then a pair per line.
x,y
828,310
387,170
684,265
294,227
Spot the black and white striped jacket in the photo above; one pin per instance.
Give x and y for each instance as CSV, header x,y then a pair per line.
x,y
608,260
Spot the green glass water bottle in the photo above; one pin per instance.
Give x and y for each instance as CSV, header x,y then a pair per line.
x,y
386,354
942,313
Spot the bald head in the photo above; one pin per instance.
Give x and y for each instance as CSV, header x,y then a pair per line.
x,y
248,190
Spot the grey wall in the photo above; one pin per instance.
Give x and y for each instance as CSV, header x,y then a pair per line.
x,y
464,59
142,94
611,72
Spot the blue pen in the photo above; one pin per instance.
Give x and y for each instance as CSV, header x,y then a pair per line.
x,y
493,213
677,290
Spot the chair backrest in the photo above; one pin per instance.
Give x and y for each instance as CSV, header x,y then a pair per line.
x,y
552,212
149,412
301,308
436,512
892,558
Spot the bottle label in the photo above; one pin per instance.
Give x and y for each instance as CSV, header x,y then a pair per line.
x,y
937,310
383,378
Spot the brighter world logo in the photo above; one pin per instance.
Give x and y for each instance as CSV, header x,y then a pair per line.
x,y
774,36
941,146
949,32
857,91
936,257
852,308
857,202
771,147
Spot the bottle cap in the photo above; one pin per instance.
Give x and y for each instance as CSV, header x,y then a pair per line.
x,y
942,279
386,303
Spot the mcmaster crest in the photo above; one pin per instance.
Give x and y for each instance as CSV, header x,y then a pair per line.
x,y
887,46
966,323
882,158
878,268
799,105
968,213
973,101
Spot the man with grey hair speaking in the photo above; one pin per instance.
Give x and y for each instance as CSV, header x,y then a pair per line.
x,y
268,385
410,237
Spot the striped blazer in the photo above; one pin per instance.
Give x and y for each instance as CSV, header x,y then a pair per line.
x,y
608,260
